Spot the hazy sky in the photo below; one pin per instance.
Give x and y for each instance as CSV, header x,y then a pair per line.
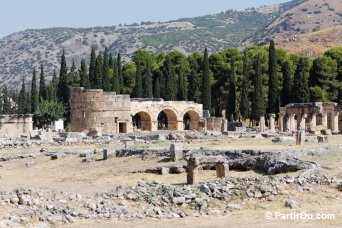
x,y
17,15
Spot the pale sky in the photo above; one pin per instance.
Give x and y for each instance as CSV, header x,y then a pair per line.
x,y
17,15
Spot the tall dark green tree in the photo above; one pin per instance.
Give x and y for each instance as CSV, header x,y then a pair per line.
x,y
231,101
273,91
62,88
286,92
73,76
22,98
182,86
105,71
52,87
6,101
28,108
42,86
170,79
300,84
92,65
157,88
206,84
258,102
110,61
194,77
138,90
115,82
84,77
148,90
244,95
120,75
34,92
1,104
98,72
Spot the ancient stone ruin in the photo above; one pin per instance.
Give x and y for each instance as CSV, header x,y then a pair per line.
x,y
114,113
15,125
312,117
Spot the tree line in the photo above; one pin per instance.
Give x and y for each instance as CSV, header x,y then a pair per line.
x,y
246,84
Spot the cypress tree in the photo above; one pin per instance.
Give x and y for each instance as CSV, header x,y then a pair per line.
x,y
273,92
105,71
34,92
286,92
182,90
157,91
258,102
62,88
120,76
231,102
84,75
170,77
28,108
206,86
42,86
22,98
6,101
244,97
1,104
148,93
138,90
52,87
92,65
98,72
300,85
110,61
115,83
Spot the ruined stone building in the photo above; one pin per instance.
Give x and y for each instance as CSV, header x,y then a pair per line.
x,y
313,117
116,113
15,125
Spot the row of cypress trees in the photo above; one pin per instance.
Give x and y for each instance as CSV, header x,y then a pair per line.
x,y
190,81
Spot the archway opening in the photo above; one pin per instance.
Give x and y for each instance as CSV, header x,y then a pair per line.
x,y
142,121
167,120
191,120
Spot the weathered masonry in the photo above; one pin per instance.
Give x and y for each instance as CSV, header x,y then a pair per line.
x,y
309,116
114,113
15,125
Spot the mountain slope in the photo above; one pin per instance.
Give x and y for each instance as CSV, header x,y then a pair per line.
x,y
303,21
22,51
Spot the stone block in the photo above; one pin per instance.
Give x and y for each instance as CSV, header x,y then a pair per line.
x,y
240,129
107,153
176,152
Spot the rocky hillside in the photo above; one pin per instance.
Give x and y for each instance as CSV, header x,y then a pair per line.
x,y
308,28
22,51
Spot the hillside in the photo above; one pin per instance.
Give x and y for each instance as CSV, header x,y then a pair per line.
x,y
312,24
22,51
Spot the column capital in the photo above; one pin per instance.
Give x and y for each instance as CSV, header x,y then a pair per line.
x,y
272,114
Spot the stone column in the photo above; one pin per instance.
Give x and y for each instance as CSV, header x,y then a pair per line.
x,y
262,123
221,169
180,125
154,126
288,123
334,122
313,120
281,122
192,175
292,125
301,124
176,152
325,120
272,120
224,125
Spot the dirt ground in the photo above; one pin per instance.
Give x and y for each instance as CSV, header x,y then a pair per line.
x,y
69,174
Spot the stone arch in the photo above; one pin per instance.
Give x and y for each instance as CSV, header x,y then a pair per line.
x,y
171,119
142,120
191,118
